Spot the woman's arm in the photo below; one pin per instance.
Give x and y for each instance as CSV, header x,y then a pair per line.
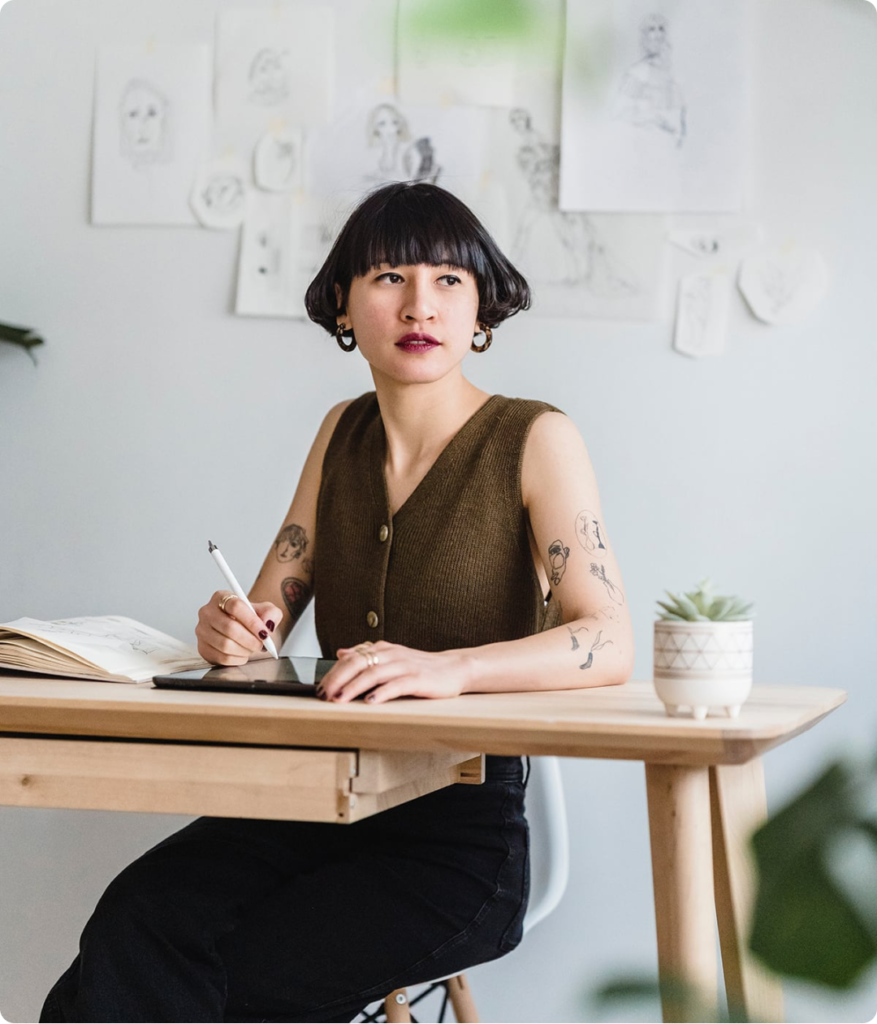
x,y
593,647
284,585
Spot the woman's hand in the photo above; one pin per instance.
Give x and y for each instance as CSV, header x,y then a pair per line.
x,y
384,671
229,633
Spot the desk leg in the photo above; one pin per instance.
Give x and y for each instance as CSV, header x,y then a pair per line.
x,y
679,826
739,806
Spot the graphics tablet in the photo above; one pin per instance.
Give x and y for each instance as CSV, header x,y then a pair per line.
x,y
286,675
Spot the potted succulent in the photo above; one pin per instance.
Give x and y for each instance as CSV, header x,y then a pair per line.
x,y
703,652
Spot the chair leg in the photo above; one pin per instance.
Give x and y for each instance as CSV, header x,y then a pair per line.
x,y
461,999
396,1007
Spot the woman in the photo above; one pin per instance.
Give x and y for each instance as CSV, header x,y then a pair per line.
x,y
427,520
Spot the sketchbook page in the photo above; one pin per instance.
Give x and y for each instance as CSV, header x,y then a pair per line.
x,y
152,123
117,645
475,66
603,266
658,91
702,314
274,71
268,257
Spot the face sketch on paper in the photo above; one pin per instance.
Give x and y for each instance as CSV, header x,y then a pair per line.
x,y
558,246
399,159
268,77
145,124
649,96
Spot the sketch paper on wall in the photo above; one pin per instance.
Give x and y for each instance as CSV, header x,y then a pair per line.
x,y
783,285
657,90
152,120
277,160
267,257
702,314
274,71
607,266
720,240
476,68
219,194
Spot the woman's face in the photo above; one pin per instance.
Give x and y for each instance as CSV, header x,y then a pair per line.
x,y
413,324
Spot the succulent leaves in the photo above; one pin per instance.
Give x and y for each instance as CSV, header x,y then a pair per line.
x,y
703,605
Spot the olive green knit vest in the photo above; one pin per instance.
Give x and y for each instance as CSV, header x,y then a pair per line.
x,y
453,567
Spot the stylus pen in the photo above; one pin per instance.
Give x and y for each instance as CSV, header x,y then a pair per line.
x,y
236,587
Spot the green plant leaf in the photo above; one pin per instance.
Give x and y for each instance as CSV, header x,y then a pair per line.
x,y
803,924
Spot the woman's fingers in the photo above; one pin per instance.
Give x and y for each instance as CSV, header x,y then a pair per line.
x,y
269,613
228,631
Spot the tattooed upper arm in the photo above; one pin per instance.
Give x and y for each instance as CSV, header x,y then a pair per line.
x,y
560,492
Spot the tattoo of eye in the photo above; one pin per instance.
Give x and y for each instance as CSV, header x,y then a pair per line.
x,y
595,646
588,532
296,594
557,556
614,592
574,638
291,543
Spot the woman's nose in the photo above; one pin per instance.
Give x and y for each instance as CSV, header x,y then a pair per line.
x,y
418,305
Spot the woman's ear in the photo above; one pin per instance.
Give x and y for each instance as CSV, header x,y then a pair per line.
x,y
339,298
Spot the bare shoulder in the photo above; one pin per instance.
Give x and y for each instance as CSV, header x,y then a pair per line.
x,y
554,449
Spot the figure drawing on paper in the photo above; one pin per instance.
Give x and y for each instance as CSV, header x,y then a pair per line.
x,y
399,159
558,246
649,96
268,77
145,124
223,194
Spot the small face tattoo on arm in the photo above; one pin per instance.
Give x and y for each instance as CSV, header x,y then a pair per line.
x,y
291,543
557,556
614,592
589,532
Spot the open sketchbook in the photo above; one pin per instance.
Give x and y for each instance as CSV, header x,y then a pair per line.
x,y
104,647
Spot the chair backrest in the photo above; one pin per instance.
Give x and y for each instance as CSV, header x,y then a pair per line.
x,y
549,839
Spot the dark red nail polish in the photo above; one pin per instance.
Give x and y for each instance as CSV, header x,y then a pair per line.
x,y
270,625
322,695
263,635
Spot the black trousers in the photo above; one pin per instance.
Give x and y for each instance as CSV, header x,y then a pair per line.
x,y
248,920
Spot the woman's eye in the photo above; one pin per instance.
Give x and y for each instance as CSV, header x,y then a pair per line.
x,y
392,278
450,279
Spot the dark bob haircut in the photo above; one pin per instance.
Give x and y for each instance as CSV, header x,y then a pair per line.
x,y
407,223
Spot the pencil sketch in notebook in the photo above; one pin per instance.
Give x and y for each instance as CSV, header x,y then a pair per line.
x,y
277,160
649,96
145,124
152,122
784,284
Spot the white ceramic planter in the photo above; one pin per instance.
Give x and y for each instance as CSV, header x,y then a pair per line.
x,y
703,665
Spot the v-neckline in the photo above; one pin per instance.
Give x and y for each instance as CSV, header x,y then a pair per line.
x,y
379,457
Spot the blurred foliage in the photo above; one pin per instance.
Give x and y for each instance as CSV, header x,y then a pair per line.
x,y
27,338
813,918
450,21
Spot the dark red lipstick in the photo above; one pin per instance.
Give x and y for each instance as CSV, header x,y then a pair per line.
x,y
417,342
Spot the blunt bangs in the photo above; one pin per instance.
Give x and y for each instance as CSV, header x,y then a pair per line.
x,y
405,224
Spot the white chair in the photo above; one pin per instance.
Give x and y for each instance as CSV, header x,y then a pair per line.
x,y
549,873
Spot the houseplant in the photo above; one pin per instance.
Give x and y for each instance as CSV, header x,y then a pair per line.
x,y
703,652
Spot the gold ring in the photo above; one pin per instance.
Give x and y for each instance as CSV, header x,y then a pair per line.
x,y
225,601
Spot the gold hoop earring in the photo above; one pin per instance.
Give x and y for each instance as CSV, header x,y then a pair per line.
x,y
488,338
339,337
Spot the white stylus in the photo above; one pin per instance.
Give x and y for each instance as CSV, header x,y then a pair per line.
x,y
236,587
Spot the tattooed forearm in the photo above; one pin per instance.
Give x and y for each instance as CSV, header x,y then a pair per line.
x,y
574,638
291,543
595,646
557,556
614,592
589,532
296,594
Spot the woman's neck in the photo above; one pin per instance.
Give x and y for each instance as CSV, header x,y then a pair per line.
x,y
420,419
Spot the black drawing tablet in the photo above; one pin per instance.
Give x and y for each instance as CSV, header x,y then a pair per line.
x,y
286,675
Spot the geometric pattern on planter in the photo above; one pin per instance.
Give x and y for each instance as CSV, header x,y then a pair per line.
x,y
728,651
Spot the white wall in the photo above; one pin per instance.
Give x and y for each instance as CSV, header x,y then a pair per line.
x,y
155,418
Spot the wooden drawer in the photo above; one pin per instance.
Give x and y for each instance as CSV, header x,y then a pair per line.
x,y
301,784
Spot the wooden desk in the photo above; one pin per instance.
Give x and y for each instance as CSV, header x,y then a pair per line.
x,y
66,743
